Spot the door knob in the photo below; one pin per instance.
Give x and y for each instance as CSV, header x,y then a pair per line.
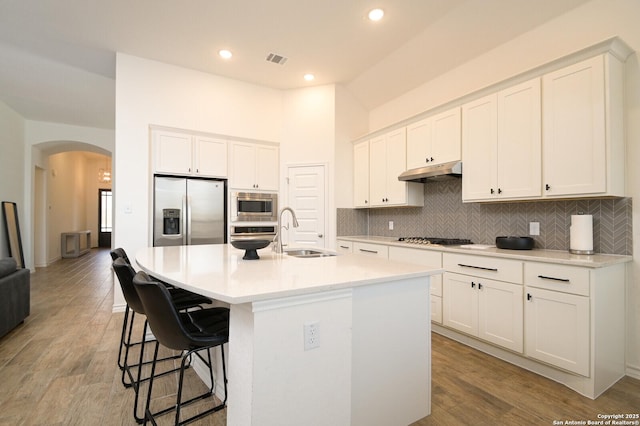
x,y
320,235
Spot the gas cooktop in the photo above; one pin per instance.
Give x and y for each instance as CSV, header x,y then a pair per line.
x,y
433,240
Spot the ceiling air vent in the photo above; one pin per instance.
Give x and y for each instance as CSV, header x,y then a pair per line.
x,y
276,59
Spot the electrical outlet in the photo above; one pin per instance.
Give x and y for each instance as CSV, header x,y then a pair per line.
x,y
534,228
311,335
390,225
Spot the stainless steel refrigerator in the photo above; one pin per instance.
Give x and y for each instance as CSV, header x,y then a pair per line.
x,y
189,211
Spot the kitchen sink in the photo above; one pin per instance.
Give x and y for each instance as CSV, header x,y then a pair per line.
x,y
308,253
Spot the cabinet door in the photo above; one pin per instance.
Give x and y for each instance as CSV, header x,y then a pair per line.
x,y
501,313
460,303
378,171
243,166
519,152
361,174
557,329
574,129
267,167
418,143
173,152
396,193
479,149
210,156
446,137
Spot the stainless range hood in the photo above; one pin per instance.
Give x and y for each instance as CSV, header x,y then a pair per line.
x,y
435,172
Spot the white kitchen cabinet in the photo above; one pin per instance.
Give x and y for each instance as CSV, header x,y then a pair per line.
x,y
387,160
369,249
482,297
254,166
183,153
583,137
431,259
502,145
488,309
434,140
361,174
557,329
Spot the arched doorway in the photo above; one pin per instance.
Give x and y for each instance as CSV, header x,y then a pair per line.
x,y
67,179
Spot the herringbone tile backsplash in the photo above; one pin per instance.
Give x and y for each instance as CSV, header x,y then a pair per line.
x,y
444,215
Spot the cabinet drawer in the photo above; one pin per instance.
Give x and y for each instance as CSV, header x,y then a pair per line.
x,y
344,246
567,279
485,267
371,250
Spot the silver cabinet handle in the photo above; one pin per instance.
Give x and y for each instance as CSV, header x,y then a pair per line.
x,y
369,251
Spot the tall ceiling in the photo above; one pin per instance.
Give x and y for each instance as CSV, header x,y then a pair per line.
x,y
57,57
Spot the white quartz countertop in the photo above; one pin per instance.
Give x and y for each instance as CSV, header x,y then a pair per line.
x,y
548,256
218,271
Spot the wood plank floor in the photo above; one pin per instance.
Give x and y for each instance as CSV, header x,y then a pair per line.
x,y
59,367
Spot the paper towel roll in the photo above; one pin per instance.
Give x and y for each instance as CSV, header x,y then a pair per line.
x,y
581,234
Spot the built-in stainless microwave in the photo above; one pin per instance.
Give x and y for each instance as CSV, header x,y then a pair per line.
x,y
254,207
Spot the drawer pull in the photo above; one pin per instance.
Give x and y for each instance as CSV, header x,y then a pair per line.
x,y
369,251
344,247
462,265
544,277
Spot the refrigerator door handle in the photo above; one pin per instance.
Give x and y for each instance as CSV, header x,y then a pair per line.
x,y
186,218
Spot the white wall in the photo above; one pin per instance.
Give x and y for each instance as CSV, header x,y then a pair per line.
x,y
40,140
12,163
153,93
351,122
584,26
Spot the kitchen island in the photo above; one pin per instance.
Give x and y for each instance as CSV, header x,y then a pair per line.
x,y
368,360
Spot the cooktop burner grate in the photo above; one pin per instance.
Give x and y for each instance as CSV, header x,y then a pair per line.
x,y
435,240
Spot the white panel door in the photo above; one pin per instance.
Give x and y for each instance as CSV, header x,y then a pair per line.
x,y
210,156
306,195
460,303
479,149
557,329
445,137
574,143
519,141
500,314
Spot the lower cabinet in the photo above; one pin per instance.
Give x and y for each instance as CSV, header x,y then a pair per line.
x,y
343,246
557,329
431,259
488,309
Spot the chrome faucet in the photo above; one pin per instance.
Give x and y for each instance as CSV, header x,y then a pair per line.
x,y
277,247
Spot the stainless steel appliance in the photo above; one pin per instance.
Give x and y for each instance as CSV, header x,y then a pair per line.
x,y
253,231
435,240
435,172
254,207
189,211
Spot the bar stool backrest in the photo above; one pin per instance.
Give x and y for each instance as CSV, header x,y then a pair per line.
x,y
125,273
162,315
119,252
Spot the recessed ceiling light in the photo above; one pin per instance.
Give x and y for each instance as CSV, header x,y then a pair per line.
x,y
225,54
309,77
376,14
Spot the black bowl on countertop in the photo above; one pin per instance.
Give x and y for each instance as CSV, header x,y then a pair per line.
x,y
514,243
251,247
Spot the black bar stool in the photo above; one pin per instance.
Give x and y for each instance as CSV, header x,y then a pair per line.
x,y
183,298
190,333
125,273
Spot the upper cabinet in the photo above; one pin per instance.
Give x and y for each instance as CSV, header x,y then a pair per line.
x,y
583,136
434,140
188,154
501,142
387,160
361,174
254,166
